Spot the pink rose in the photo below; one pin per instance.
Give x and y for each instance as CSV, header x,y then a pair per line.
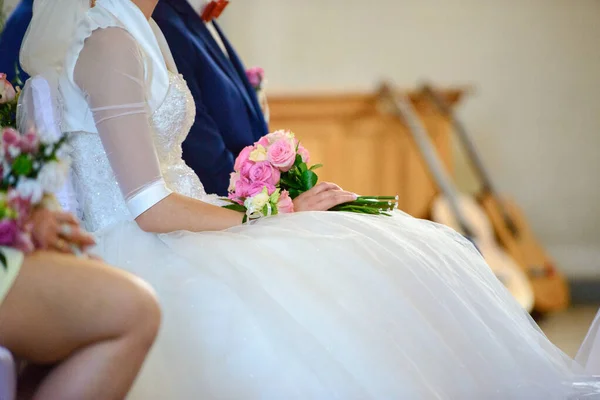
x,y
7,91
282,154
242,187
24,242
285,204
10,137
233,197
280,134
257,187
234,177
8,232
20,205
264,141
304,153
245,170
255,76
264,172
30,142
243,158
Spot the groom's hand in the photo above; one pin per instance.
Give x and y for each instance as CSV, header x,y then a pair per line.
x,y
322,197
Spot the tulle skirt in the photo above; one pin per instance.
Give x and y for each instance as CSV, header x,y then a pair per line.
x,y
327,305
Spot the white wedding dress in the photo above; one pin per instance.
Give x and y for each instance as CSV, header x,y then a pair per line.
x,y
318,305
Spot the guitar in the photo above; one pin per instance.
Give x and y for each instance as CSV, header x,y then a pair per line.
x,y
549,285
461,212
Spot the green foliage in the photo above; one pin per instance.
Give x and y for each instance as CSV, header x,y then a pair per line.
x,y
29,165
2,17
3,260
8,115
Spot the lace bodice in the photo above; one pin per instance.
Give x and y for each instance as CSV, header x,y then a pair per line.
x,y
99,198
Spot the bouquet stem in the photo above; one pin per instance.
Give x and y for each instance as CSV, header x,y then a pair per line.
x,y
375,205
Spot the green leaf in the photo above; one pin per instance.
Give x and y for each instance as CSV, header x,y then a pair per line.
x,y
350,207
303,168
294,193
309,179
235,207
288,184
22,165
298,161
316,166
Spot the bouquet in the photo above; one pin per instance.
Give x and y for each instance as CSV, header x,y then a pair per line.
x,y
9,97
271,173
32,167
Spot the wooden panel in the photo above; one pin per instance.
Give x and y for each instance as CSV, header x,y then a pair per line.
x,y
363,148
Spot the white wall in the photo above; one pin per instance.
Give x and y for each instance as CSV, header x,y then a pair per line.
x,y
535,66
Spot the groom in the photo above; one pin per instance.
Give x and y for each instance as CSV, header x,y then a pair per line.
x,y
228,114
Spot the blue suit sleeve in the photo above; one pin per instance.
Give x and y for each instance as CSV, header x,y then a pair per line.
x,y
204,150
10,43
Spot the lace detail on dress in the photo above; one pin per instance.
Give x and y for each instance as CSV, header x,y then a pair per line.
x,y
98,193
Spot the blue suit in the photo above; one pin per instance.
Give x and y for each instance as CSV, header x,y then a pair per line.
x,y
12,37
228,114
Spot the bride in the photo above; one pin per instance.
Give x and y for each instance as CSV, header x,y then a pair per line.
x,y
310,305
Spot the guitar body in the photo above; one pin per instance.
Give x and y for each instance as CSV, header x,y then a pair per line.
x,y
511,228
500,262
549,285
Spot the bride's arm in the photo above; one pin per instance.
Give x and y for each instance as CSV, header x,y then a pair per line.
x,y
177,212
110,70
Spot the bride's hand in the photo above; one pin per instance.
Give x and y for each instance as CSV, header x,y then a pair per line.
x,y
57,230
322,197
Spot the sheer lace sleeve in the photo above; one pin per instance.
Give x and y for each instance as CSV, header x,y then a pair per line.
x,y
110,71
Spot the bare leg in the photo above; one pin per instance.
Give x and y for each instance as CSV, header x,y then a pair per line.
x,y
96,322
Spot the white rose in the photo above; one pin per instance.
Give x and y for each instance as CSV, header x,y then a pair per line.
x,y
52,176
258,154
257,203
14,151
30,189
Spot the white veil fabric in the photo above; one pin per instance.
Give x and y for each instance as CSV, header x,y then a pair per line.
x,y
56,36
50,34
43,51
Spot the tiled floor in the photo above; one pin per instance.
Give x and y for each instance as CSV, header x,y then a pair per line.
x,y
567,329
